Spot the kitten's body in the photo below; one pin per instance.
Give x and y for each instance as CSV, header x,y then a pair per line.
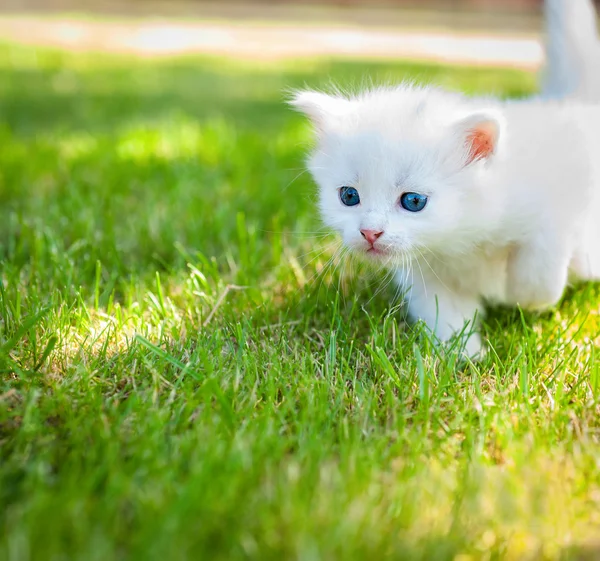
x,y
542,232
508,227
542,192
512,188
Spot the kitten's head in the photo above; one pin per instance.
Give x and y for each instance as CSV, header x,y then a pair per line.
x,y
400,170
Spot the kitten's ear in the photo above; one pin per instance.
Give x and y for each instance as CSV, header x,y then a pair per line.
x,y
320,108
480,134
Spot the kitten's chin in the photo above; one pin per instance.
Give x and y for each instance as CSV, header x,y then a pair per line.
x,y
376,254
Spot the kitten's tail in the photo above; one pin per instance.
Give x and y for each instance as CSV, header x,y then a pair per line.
x,y
572,50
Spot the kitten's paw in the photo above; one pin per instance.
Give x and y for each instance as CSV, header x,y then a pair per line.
x,y
535,283
535,298
474,348
469,346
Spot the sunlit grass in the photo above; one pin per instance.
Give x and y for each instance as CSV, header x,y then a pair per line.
x,y
184,377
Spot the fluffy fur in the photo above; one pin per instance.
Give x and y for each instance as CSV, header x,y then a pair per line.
x,y
513,187
572,50
508,226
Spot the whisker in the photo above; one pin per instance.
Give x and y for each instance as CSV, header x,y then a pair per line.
x,y
327,263
421,271
328,247
320,233
339,252
389,277
433,271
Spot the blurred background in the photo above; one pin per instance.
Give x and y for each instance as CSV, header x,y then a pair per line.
x,y
88,82
464,31
165,110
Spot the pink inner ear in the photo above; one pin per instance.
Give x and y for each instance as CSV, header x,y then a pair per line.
x,y
481,144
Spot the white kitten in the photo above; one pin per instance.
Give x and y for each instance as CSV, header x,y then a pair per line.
x,y
489,201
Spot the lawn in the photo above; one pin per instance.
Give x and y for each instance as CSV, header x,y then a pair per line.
x,y
189,372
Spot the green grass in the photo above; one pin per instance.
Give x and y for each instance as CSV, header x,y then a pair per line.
x,y
148,411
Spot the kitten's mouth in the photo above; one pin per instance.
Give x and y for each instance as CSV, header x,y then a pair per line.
x,y
376,251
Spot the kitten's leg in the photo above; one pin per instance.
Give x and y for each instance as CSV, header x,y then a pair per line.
x,y
585,263
537,274
585,266
445,312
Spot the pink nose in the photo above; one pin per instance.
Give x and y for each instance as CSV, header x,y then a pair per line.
x,y
371,235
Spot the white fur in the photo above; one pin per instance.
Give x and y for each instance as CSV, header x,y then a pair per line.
x,y
509,228
572,50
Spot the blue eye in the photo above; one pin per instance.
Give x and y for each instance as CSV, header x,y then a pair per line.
x,y
413,202
349,196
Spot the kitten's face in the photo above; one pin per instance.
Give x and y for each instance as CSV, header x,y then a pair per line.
x,y
391,184
385,199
